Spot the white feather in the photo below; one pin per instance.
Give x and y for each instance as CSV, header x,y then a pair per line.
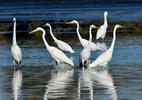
x,y
61,44
103,29
105,57
15,49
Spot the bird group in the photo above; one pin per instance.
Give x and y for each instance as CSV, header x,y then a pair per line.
x,y
59,56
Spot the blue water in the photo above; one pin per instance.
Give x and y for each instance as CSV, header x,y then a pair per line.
x,y
41,80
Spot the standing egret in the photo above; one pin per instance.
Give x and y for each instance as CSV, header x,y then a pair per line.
x,y
15,50
61,44
84,42
56,54
103,29
85,53
105,57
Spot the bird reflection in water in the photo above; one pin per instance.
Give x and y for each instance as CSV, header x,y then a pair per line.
x,y
17,82
56,87
90,78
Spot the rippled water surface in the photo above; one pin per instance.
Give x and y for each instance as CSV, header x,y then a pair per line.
x,y
39,78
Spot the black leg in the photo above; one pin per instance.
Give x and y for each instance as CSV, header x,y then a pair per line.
x,y
80,63
85,64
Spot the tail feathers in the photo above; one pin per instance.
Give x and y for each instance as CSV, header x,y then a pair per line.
x,y
72,64
72,59
92,65
72,51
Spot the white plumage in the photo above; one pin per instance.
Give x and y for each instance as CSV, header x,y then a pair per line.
x,y
103,29
61,44
56,54
85,53
84,42
15,50
105,57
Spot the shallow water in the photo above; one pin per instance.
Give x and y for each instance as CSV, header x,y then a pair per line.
x,y
39,78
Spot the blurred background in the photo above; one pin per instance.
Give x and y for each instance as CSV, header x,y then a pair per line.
x,y
33,13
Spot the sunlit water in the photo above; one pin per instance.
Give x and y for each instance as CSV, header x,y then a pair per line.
x,y
39,78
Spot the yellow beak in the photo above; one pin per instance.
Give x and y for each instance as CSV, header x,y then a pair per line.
x,y
69,22
44,25
122,26
32,31
96,27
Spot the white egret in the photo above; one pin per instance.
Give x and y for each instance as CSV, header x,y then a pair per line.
x,y
56,54
105,57
103,29
15,50
61,44
85,53
84,42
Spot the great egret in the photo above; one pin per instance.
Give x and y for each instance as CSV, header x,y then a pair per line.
x,y
15,50
105,57
85,53
56,54
103,29
84,42
61,44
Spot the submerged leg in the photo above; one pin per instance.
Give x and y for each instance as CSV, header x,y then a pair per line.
x,y
86,64
57,62
81,63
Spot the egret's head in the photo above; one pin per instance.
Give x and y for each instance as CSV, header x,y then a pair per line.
x,y
93,26
105,13
47,24
14,19
72,22
35,30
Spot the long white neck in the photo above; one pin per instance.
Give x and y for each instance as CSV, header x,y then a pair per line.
x,y
44,40
90,36
14,34
105,20
79,36
114,38
52,33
